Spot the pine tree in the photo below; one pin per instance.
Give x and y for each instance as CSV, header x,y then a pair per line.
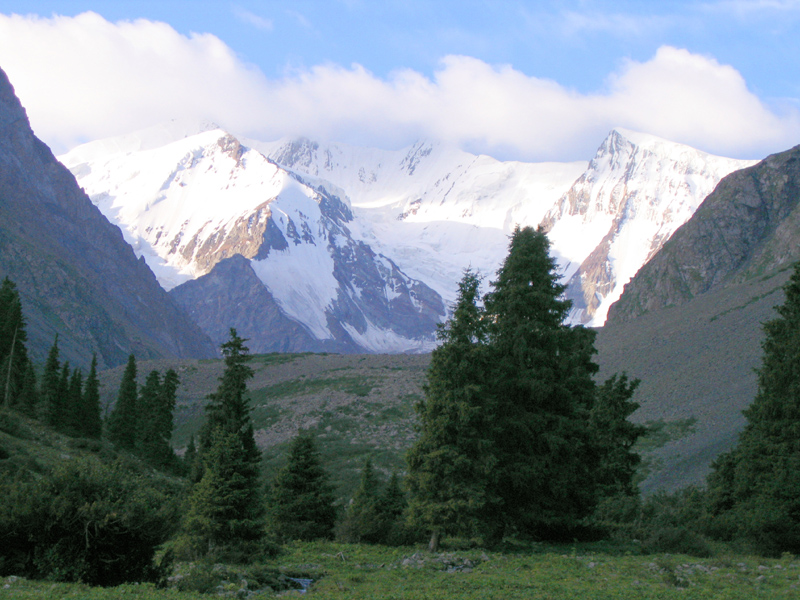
x,y
225,507
64,424
91,423
615,436
543,389
226,504
301,499
392,506
363,520
754,489
148,436
123,422
51,401
73,421
13,352
451,466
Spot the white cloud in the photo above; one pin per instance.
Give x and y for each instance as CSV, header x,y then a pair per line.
x,y
83,78
253,19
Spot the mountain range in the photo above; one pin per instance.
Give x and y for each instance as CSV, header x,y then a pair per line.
x,y
359,249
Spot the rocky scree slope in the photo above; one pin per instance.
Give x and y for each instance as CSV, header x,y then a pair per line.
x,y
77,277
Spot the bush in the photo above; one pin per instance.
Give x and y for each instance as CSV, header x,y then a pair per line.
x,y
86,522
677,540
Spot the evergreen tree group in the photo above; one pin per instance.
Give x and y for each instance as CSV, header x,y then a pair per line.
x,y
16,369
373,516
510,427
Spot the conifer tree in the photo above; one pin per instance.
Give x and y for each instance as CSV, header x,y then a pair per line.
x,y
392,506
13,352
226,504
123,421
451,466
51,400
754,489
64,423
91,423
543,389
73,424
363,520
614,436
28,402
301,499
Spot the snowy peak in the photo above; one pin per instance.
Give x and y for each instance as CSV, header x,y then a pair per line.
x,y
637,190
196,201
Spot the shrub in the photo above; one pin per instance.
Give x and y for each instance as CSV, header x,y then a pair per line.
x,y
85,522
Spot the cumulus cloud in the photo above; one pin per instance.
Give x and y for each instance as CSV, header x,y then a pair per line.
x,y
83,78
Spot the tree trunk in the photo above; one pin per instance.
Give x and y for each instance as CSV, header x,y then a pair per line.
x,y
433,545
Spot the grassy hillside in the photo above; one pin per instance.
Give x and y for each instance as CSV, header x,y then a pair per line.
x,y
358,405
363,405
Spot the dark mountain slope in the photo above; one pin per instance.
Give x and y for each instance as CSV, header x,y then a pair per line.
x,y
749,225
76,275
696,362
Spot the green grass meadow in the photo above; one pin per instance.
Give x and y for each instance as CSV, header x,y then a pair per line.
x,y
546,572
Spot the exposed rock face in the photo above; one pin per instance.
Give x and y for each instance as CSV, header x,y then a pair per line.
x,y
749,225
232,295
637,191
76,275
189,205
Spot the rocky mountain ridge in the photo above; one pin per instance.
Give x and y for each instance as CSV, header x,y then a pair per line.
x,y
77,277
749,226
190,204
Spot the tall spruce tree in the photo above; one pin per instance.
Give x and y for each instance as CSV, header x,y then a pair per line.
x,y
14,359
300,503
91,423
52,404
73,421
542,389
614,435
363,520
123,422
754,489
451,467
226,506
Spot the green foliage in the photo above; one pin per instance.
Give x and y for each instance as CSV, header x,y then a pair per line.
x,y
123,421
300,499
452,464
155,405
515,436
52,401
91,425
85,522
372,516
15,366
615,436
226,507
755,488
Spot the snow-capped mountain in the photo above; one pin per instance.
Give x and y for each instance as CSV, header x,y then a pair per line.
x,y
436,210
637,191
187,204
351,242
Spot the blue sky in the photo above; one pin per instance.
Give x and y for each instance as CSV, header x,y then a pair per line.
x,y
517,80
